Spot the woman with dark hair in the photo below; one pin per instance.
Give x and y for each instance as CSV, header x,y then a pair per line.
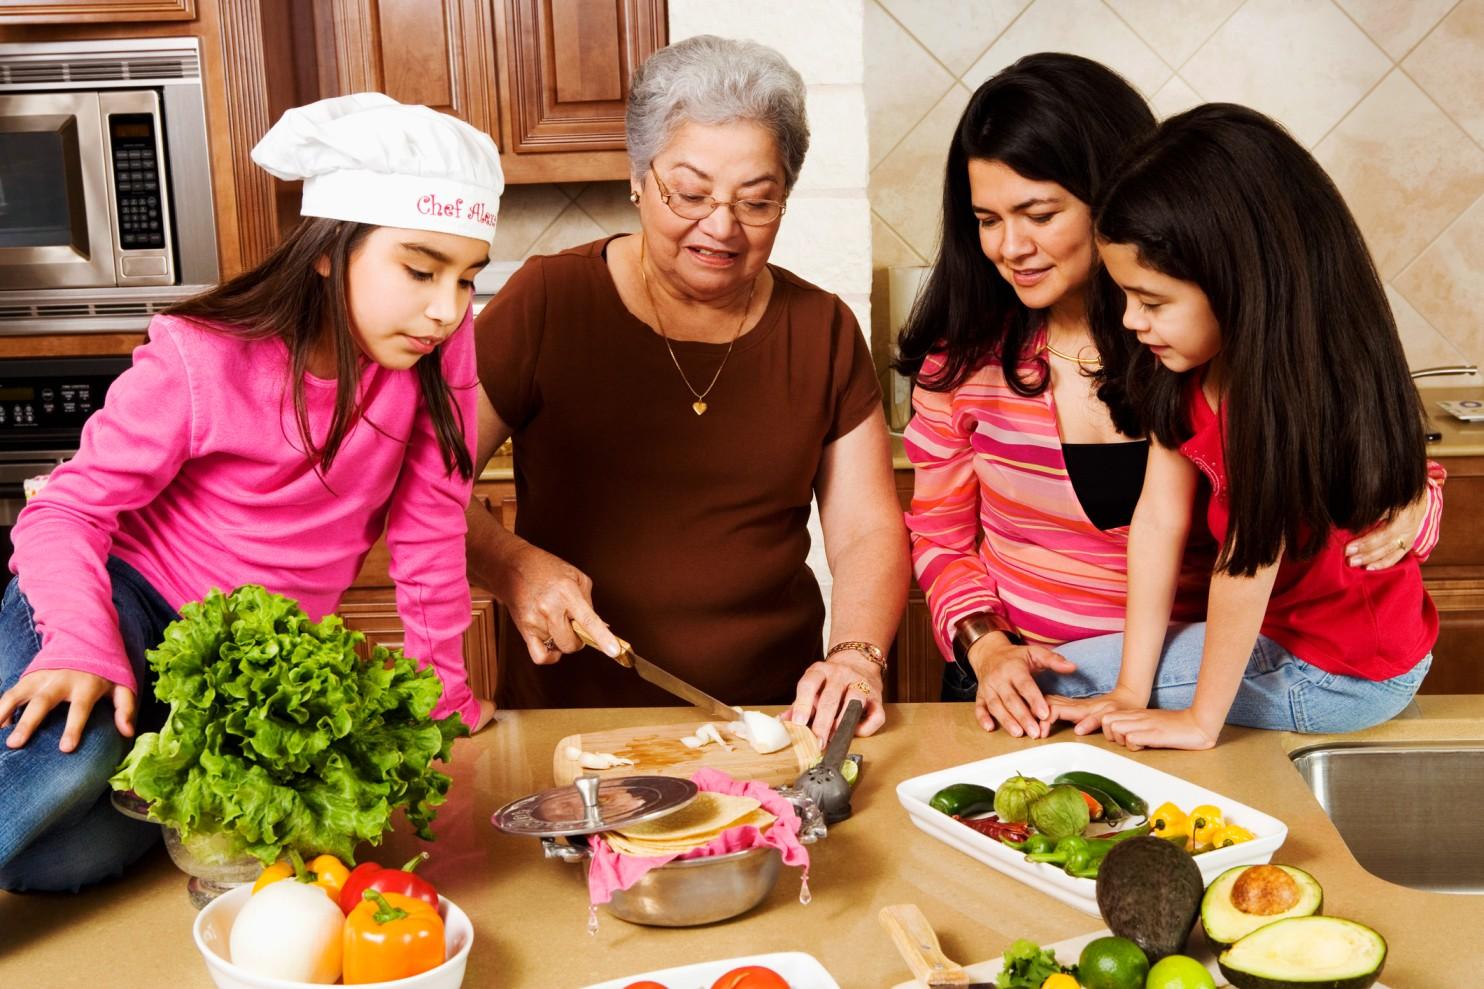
x,y
1029,457
1277,395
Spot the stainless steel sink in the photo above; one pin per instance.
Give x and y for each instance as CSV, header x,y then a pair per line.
x,y
1410,813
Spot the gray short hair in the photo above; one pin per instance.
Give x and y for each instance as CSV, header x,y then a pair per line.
x,y
711,80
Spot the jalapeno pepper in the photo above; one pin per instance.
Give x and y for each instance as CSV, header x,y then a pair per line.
x,y
390,936
1038,844
369,875
325,871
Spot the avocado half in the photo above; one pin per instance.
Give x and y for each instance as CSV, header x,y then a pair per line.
x,y
1246,897
1306,953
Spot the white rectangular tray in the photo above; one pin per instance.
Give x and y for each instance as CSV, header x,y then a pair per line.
x,y
1067,952
1046,762
803,971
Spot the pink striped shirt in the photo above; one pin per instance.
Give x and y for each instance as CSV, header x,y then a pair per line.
x,y
996,525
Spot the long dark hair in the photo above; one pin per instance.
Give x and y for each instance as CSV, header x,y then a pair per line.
x,y
286,297
1051,117
1324,428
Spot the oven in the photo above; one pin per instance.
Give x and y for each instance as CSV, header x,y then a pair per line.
x,y
106,211
43,405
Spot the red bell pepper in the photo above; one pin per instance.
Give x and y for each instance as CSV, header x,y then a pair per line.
x,y
369,875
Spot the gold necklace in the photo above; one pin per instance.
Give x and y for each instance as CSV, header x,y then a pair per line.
x,y
1084,361
699,405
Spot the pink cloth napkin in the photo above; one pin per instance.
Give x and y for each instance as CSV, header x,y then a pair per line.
x,y
610,871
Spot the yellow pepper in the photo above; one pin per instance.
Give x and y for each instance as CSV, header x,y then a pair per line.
x,y
1205,821
1169,822
325,871
1232,834
390,936
1059,980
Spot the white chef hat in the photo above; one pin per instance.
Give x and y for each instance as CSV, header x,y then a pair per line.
x,y
370,159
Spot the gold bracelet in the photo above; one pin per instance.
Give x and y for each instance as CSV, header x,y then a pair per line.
x,y
866,649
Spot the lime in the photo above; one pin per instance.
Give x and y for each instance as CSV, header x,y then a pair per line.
x,y
849,770
1179,972
1112,963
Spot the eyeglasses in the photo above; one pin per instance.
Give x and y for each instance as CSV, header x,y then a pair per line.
x,y
750,212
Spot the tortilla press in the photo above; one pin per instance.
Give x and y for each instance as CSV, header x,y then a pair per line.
x,y
823,783
681,893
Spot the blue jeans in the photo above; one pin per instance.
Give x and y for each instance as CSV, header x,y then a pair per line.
x,y
1278,691
58,830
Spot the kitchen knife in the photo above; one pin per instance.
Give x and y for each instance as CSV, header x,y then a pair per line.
x,y
668,682
918,945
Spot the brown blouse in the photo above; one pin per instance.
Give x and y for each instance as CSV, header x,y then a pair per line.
x,y
692,528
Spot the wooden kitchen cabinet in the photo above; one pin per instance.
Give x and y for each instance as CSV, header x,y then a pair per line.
x,y
95,11
546,78
370,606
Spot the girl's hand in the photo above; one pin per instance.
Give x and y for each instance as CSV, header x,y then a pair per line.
x,y
1387,543
1089,712
828,685
1008,693
544,596
1136,730
43,690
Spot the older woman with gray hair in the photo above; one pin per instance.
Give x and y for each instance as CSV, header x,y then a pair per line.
x,y
676,403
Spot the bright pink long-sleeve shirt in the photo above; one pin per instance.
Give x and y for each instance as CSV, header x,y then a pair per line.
x,y
194,474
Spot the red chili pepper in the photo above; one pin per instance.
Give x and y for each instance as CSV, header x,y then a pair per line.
x,y
993,827
369,875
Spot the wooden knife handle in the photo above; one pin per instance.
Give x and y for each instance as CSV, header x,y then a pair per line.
x,y
622,659
918,945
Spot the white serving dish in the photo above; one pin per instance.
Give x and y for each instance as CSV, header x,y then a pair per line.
x,y
1048,761
213,929
1067,952
802,971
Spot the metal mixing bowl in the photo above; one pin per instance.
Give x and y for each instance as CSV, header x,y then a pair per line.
x,y
699,891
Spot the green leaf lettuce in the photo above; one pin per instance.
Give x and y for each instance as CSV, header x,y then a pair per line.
x,y
280,735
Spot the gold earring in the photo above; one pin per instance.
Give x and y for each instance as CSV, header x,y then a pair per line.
x,y
634,196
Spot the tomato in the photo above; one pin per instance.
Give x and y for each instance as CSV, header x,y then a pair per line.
x,y
646,984
750,977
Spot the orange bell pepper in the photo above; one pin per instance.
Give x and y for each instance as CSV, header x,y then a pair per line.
x,y
390,936
325,871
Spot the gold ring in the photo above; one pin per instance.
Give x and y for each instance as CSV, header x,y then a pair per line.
x,y
550,645
863,687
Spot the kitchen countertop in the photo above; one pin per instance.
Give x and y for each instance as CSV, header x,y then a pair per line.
x,y
530,914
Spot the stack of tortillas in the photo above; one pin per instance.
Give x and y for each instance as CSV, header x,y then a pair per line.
x,y
695,824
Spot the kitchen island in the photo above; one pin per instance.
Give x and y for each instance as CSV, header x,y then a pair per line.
x,y
530,914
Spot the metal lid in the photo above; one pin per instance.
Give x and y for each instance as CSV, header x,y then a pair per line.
x,y
591,805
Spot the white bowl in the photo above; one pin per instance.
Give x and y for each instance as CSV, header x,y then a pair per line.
x,y
213,929
1045,762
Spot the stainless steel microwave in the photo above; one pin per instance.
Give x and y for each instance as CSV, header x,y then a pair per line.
x,y
106,212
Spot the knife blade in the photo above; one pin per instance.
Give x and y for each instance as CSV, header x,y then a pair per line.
x,y
663,679
918,945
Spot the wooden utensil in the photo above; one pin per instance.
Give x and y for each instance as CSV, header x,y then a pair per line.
x,y
657,750
918,945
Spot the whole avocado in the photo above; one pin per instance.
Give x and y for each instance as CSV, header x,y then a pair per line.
x,y
1149,891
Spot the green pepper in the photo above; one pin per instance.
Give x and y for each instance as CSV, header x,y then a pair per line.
x,y
1037,843
1072,848
963,800
1078,856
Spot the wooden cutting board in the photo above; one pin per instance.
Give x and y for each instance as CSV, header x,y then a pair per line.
x,y
657,750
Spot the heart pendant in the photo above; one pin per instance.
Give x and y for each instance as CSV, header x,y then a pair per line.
x,y
700,408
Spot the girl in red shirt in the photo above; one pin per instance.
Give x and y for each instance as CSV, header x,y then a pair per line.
x,y
1272,374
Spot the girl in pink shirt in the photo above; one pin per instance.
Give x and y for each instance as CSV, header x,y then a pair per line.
x,y
1276,392
268,432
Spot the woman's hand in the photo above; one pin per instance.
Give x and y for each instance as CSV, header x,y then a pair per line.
x,y
1141,729
43,690
1387,543
1008,693
828,685
545,595
1089,713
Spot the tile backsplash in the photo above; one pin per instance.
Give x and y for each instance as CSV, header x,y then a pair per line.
x,y
1389,96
